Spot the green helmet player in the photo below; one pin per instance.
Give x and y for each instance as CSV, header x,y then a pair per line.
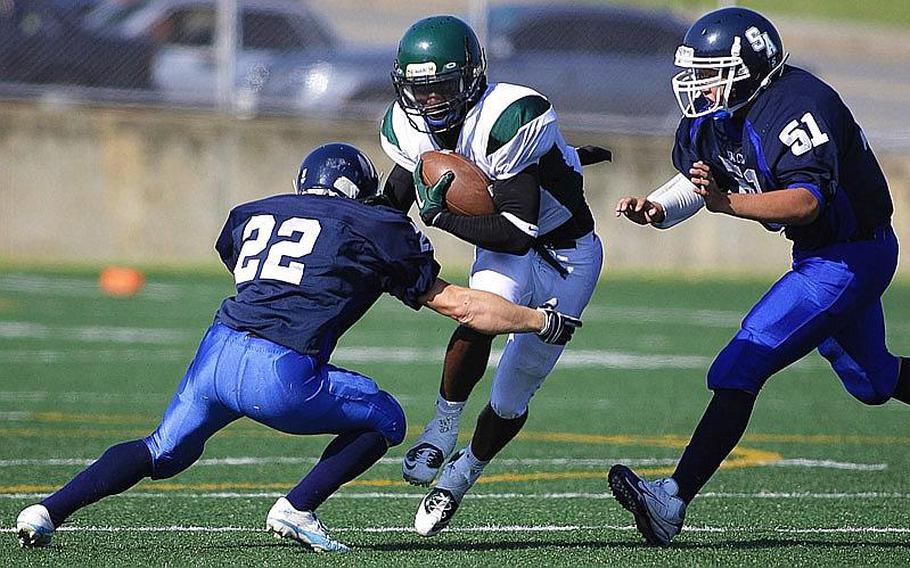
x,y
439,71
538,244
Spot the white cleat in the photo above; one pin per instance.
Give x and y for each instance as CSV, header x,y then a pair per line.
x,y
284,521
34,527
439,505
437,442
658,512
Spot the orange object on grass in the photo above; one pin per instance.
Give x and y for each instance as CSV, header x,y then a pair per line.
x,y
121,281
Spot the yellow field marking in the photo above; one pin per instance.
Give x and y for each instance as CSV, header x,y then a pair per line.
x,y
739,458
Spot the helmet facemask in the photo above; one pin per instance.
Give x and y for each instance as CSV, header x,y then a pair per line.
x,y
702,75
442,99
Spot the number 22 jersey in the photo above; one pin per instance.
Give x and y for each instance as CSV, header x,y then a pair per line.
x,y
306,267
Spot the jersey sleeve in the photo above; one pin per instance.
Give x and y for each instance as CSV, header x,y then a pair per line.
x,y
225,243
684,148
392,139
802,147
520,136
409,267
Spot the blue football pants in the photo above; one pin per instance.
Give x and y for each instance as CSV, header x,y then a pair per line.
x,y
235,374
830,300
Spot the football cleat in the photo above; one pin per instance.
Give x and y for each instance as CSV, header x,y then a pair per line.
x,y
284,521
439,505
658,512
425,458
34,527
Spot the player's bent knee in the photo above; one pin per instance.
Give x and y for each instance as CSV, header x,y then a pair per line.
x,y
741,365
508,410
394,424
869,386
169,461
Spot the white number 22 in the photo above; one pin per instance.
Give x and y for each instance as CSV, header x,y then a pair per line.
x,y
798,139
264,225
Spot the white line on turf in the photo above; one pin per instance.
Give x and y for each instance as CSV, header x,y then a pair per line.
x,y
480,496
492,529
569,462
573,359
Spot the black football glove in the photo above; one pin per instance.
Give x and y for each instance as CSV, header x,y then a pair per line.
x,y
559,327
431,199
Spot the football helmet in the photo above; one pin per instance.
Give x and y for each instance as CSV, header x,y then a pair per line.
x,y
337,169
729,56
439,73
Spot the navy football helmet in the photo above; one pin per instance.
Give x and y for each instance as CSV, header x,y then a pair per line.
x,y
732,53
337,169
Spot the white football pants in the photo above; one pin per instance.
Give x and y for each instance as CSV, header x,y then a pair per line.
x,y
528,280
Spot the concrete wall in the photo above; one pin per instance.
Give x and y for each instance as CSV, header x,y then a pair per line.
x,y
97,184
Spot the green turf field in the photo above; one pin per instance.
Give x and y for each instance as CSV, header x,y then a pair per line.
x,y
819,480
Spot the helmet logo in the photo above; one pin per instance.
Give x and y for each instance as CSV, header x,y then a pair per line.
x,y
761,41
427,69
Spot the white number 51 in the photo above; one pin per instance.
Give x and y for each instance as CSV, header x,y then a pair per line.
x,y
798,139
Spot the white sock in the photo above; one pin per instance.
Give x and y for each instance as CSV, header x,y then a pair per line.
x,y
444,406
475,463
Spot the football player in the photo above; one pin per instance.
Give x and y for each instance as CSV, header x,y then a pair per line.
x,y
306,267
539,244
769,142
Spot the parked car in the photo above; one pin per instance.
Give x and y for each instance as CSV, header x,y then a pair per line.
x,y
43,41
597,63
590,59
185,66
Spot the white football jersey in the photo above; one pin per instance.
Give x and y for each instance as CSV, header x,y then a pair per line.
x,y
510,128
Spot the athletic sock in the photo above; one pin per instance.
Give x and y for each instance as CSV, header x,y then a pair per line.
x,y
119,468
718,432
447,407
473,461
902,391
346,457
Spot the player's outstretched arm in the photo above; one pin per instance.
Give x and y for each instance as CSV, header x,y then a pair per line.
x,y
493,315
672,203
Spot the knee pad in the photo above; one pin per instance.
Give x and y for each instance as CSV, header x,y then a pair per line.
x,y
508,410
744,364
869,386
169,461
394,423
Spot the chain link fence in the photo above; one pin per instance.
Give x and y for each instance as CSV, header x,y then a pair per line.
x,y
605,66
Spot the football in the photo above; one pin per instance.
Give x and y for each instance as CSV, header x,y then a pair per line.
x,y
469,193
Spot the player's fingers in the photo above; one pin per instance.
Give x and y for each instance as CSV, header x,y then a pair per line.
x,y
639,205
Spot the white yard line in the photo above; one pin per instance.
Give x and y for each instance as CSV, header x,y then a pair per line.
x,y
489,529
478,496
552,462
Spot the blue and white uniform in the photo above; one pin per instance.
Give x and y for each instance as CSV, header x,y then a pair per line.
x,y
799,134
306,267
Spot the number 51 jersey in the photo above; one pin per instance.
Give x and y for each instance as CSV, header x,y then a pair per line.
x,y
306,267
798,133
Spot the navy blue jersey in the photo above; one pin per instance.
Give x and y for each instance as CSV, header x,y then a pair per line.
x,y
798,133
307,267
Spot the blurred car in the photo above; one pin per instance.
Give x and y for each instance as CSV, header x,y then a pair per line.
x,y
590,60
599,65
43,41
185,66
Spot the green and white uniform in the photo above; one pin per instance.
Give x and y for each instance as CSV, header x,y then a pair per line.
x,y
509,129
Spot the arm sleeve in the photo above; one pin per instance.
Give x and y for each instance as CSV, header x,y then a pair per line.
x,y
225,243
678,199
513,227
399,189
409,268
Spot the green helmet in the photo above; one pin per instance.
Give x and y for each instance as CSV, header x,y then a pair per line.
x,y
439,71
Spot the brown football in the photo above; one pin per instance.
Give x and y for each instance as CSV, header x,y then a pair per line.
x,y
469,193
